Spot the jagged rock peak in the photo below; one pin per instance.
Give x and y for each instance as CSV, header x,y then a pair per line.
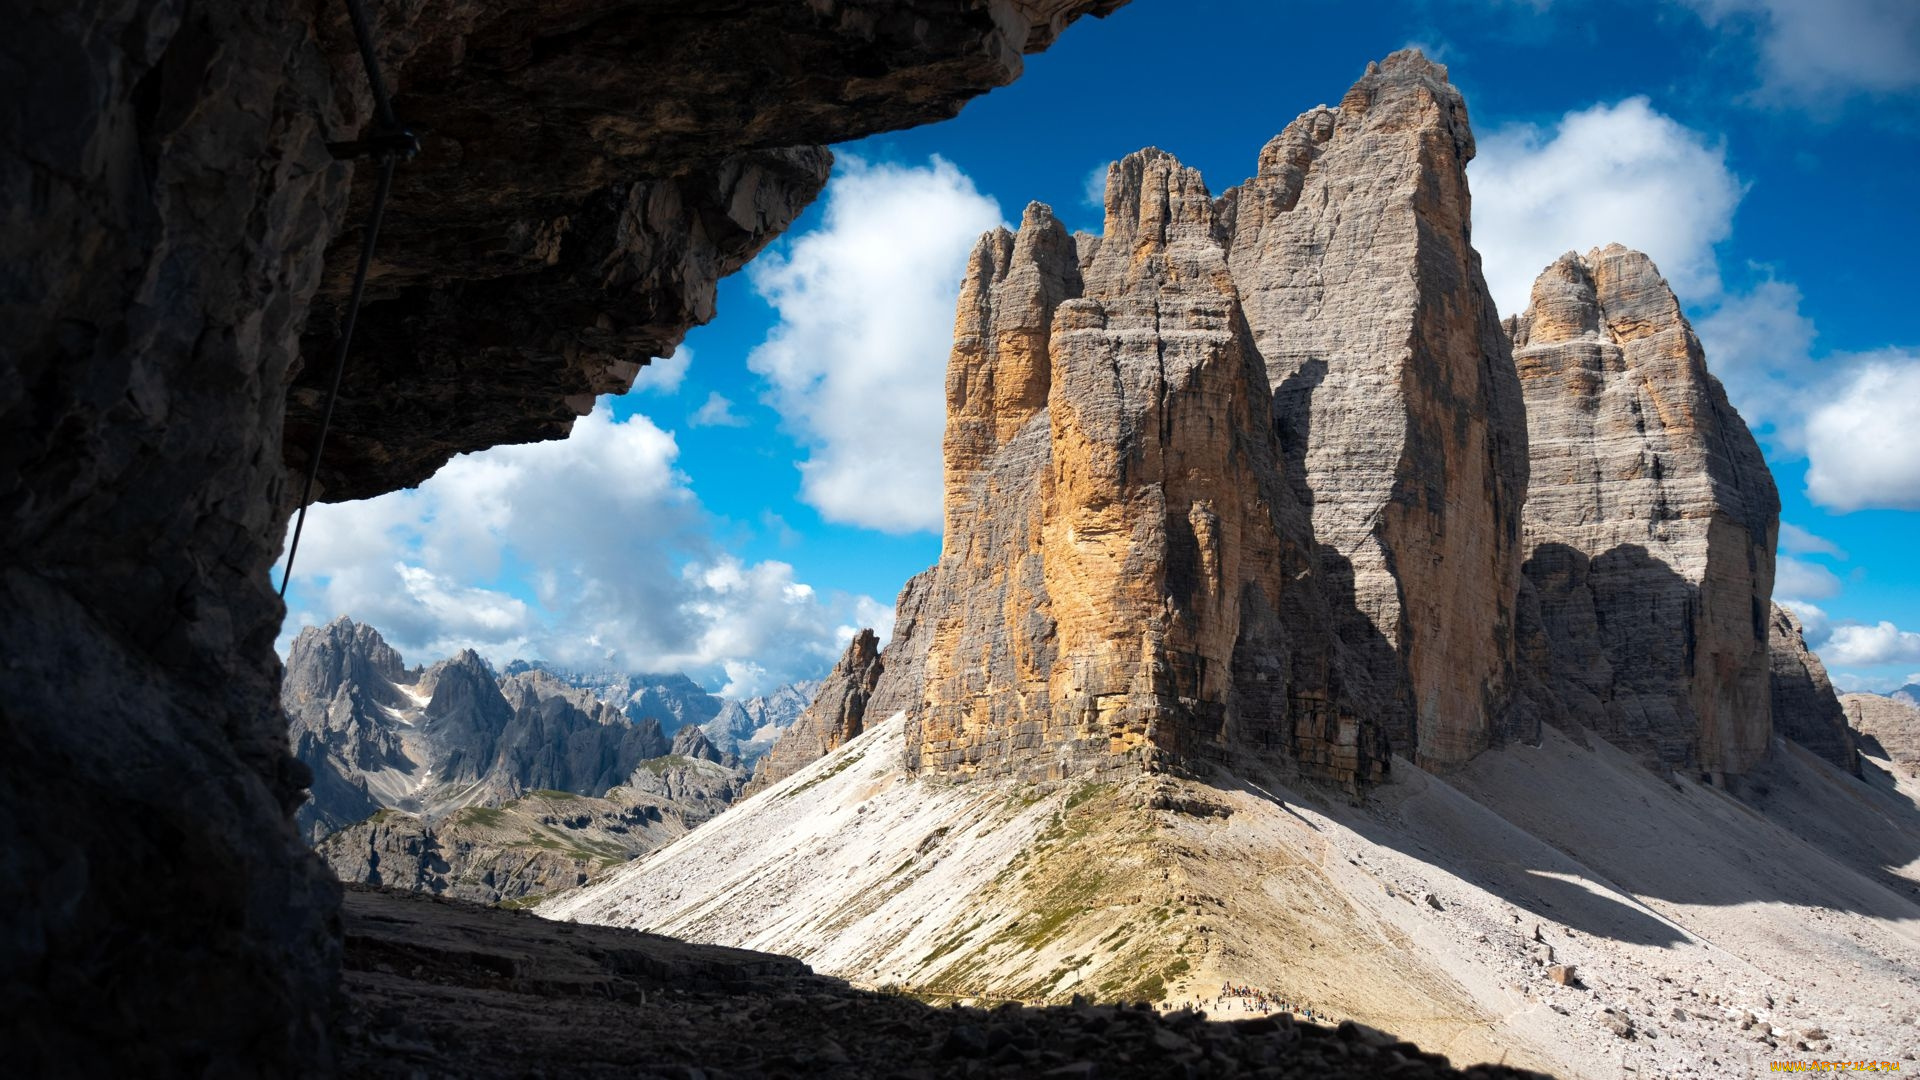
x,y
1113,568
998,376
1805,708
837,715
1650,522
691,742
1395,394
323,659
1130,569
1408,80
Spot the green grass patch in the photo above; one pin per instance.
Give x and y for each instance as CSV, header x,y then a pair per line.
x,y
1086,792
488,816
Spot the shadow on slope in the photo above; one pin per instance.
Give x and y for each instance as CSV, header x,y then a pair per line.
x,y
487,993
1431,822
1586,837
1812,837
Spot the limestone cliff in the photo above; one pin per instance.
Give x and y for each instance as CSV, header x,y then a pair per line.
x,y
1804,706
1393,390
1243,472
1650,520
1125,576
1886,727
1135,565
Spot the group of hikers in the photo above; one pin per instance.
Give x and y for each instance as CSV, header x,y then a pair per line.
x,y
1250,999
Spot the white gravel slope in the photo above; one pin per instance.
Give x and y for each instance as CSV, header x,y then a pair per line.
x,y
1710,935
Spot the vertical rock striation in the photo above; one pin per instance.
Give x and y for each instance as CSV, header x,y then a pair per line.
x,y
1126,577
1804,706
1650,520
1140,564
1397,404
985,631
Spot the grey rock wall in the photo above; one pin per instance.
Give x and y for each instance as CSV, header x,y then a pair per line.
x,y
168,198
1886,727
1805,708
1650,521
1393,388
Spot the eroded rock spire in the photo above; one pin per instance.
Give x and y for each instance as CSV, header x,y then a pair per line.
x,y
1393,390
1650,522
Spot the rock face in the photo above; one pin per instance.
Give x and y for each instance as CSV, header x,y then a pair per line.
x,y
170,202
1650,521
1136,566
1113,575
837,714
558,269
1804,706
1886,727
168,197
1399,413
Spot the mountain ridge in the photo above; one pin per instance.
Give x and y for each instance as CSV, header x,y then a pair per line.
x,y
493,785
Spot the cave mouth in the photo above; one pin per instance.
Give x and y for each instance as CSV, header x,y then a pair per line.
x,y
181,257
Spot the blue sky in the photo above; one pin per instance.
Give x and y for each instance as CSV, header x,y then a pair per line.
x,y
774,484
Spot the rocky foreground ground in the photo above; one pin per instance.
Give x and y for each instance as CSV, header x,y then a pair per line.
x,y
438,987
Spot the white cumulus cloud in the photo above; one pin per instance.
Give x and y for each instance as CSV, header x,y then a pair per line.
x,y
1093,191
716,411
1761,346
663,374
1864,646
1612,173
1811,49
1799,541
1863,445
589,550
1813,620
1803,580
857,360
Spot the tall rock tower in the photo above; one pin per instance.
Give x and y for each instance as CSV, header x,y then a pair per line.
x,y
1394,391
1124,578
1650,523
1240,473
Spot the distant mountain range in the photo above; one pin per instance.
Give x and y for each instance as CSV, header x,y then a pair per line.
x,y
746,728
492,785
